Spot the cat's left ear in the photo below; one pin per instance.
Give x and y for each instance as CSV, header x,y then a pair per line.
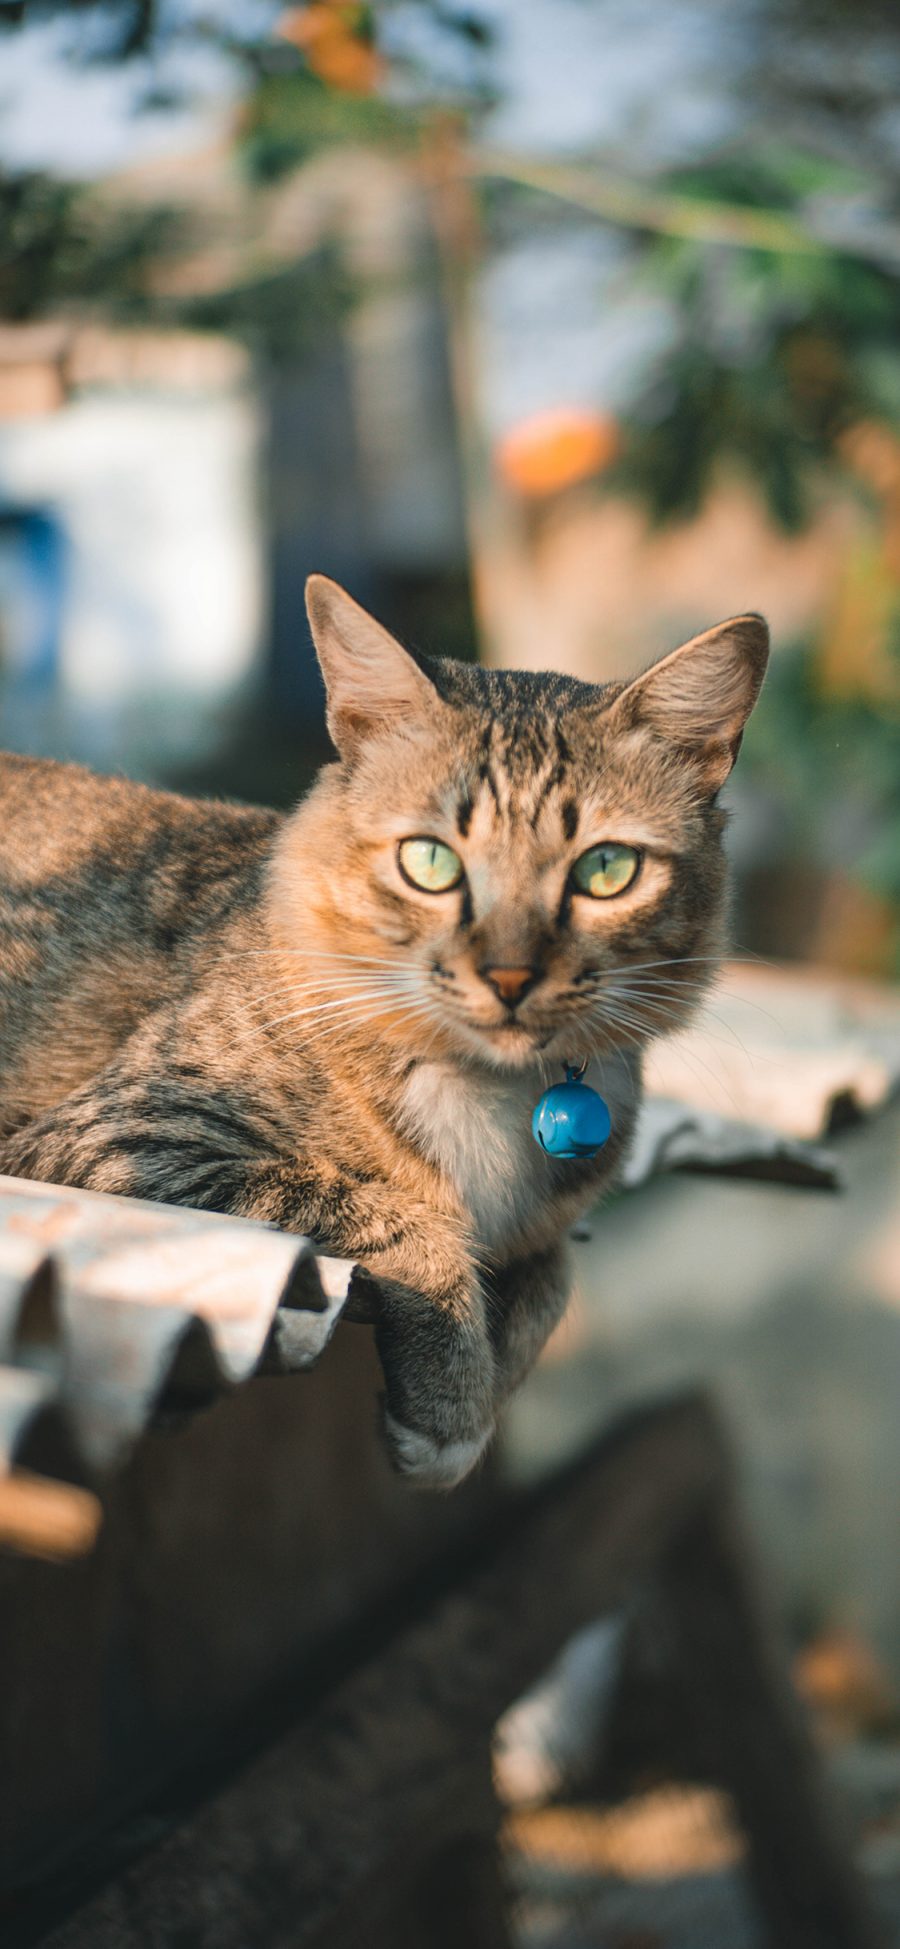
x,y
700,697
371,681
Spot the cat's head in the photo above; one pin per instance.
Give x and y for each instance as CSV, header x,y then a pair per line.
x,y
506,865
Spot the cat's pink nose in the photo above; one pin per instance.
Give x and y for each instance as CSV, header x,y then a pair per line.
x,y
510,983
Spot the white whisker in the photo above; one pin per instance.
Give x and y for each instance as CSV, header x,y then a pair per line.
x,y
342,1002
691,1059
662,1007
704,1001
337,957
344,983
361,1019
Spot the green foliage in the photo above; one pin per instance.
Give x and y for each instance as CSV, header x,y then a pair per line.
x,y
69,249
281,317
292,110
64,249
772,355
130,26
831,763
70,253
292,114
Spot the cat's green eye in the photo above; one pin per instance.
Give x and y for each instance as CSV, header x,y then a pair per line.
x,y
430,865
605,870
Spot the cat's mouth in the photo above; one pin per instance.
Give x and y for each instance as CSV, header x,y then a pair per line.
x,y
515,1041
511,1044
514,1044
505,1030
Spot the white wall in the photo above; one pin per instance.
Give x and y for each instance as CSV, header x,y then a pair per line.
x,y
158,498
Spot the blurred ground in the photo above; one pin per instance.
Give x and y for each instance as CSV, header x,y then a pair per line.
x,y
787,1302
662,1872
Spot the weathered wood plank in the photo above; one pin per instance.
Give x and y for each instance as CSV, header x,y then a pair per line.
x,y
275,1858
359,1799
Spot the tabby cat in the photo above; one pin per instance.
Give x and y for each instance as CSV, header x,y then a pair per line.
x,y
340,1020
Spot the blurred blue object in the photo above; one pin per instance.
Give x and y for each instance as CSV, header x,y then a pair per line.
x,y
34,574
32,589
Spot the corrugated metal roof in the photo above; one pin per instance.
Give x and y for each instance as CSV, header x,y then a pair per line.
x,y
112,1308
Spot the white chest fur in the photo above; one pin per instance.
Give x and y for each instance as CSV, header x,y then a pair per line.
x,y
476,1129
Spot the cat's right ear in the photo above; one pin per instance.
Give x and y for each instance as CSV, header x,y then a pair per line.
x,y
371,680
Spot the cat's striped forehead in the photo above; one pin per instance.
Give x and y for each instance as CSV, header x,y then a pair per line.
x,y
519,740
520,700
515,770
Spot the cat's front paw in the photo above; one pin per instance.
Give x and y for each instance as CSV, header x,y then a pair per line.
x,y
432,1464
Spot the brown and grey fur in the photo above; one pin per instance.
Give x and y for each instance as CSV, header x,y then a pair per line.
x,y
228,1008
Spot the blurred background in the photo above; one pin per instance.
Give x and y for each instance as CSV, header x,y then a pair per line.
x,y
557,331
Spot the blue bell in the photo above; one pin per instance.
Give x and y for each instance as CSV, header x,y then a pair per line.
x,y
571,1120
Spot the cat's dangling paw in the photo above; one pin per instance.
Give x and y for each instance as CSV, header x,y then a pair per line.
x,y
432,1464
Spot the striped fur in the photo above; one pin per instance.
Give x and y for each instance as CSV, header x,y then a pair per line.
x,y
221,1007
